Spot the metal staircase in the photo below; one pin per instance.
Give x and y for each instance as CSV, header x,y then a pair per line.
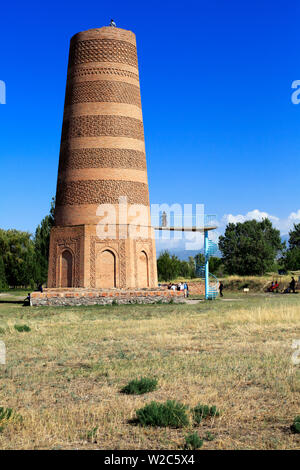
x,y
202,271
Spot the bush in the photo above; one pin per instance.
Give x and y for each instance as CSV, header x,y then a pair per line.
x,y
209,436
201,412
91,435
193,441
140,386
295,427
22,328
171,413
6,415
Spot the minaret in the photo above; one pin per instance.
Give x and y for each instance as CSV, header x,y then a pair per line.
x,y
96,241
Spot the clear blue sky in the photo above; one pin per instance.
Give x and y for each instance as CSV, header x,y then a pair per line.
x,y
215,76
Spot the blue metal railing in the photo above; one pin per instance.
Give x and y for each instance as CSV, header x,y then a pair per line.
x,y
202,270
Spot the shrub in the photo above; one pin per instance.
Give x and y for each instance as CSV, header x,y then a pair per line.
x,y
6,415
203,411
209,436
22,328
193,441
295,427
171,413
140,386
91,435
114,302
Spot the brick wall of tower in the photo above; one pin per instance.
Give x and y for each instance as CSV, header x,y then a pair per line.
x,y
102,157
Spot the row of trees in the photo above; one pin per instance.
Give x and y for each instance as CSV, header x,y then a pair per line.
x,y
171,267
23,258
248,248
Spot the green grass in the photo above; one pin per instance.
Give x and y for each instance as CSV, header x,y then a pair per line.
x,y
64,377
170,414
201,412
193,441
140,386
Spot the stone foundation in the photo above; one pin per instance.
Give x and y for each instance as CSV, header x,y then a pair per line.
x,y
59,297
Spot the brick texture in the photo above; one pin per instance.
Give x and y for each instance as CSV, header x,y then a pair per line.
x,y
95,126
101,158
102,50
103,91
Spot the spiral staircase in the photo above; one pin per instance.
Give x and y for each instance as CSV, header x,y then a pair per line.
x,y
212,288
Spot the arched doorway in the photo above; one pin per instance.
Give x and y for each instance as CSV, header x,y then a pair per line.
x,y
66,278
106,270
142,270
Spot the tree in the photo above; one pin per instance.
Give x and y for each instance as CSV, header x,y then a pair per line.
x,y
294,240
291,259
192,266
250,248
215,264
199,259
3,281
168,267
41,245
291,256
184,269
17,253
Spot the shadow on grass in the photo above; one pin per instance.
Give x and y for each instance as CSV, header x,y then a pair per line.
x,y
19,302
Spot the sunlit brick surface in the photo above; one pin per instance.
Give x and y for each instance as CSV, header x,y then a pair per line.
x,y
102,157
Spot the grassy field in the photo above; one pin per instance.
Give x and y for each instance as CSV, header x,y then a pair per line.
x,y
64,375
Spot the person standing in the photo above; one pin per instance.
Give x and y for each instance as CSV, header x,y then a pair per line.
x,y
221,287
185,289
293,285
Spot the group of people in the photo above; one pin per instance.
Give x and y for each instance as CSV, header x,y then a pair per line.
x,y
274,287
180,286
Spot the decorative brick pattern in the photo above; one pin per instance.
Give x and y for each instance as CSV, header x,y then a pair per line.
x,y
103,91
88,71
57,247
119,247
102,158
146,246
96,126
102,50
101,192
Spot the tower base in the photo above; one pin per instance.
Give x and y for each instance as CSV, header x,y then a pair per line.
x,y
79,258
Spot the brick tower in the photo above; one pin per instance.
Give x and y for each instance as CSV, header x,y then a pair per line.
x,y
98,242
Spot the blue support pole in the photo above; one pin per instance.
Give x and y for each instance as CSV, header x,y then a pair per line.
x,y
206,263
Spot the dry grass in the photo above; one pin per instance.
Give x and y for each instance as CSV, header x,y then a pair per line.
x,y
64,376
